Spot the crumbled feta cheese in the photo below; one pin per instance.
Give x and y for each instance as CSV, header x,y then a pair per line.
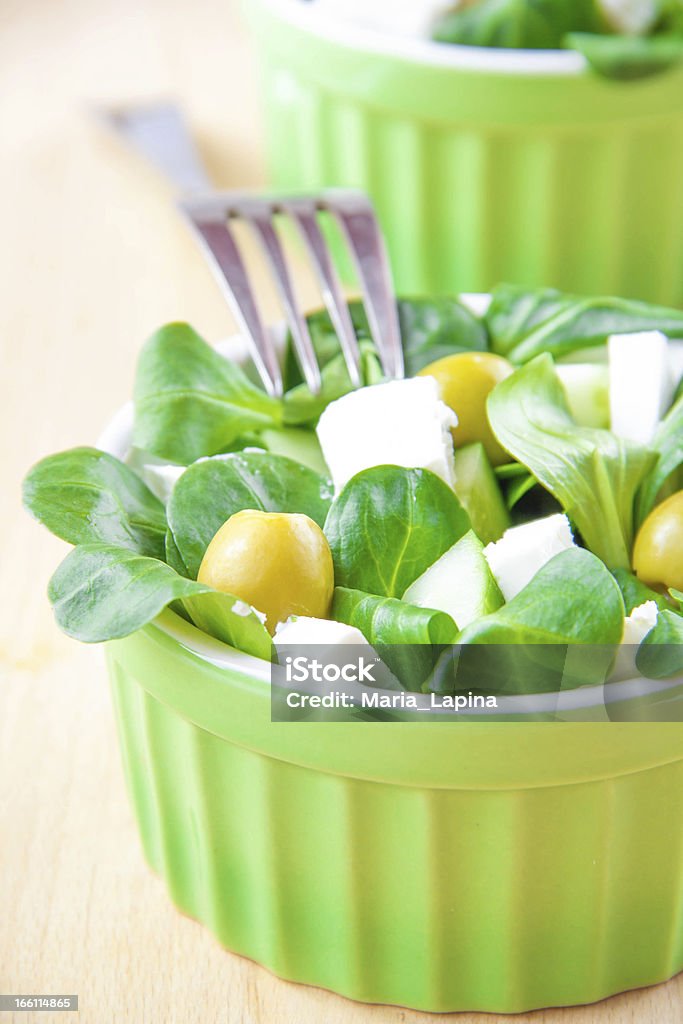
x,y
639,623
400,423
161,478
522,550
632,17
636,627
305,630
641,384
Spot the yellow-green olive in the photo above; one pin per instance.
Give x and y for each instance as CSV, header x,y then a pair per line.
x,y
658,551
278,562
466,380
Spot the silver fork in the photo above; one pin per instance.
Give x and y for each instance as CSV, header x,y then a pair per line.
x,y
160,134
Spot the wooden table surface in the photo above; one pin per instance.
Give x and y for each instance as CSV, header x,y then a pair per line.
x,y
93,259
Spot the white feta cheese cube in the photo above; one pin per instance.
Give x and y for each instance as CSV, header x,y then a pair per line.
x,y
305,630
639,623
515,559
631,17
399,423
161,478
676,359
636,627
641,384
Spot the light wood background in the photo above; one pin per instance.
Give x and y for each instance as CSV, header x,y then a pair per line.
x,y
92,259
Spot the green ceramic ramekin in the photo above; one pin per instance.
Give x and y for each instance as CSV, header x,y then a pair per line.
x,y
500,866
480,866
484,165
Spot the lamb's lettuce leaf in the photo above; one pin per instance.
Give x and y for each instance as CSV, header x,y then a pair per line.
x,y
524,323
539,25
85,495
573,599
635,592
408,639
592,473
660,655
390,524
434,328
212,490
668,444
387,620
190,401
628,57
101,592
560,632
302,407
430,329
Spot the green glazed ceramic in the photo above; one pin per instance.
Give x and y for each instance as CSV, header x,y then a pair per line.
x,y
460,866
484,165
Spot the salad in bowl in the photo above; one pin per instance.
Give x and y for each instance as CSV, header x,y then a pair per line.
x,y
618,38
522,485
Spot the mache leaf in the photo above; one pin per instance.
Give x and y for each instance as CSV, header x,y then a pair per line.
x,y
101,592
524,323
660,655
408,639
626,58
190,401
212,490
593,474
85,495
668,445
388,525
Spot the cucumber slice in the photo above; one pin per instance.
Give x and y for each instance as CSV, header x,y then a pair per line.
x,y
459,583
296,443
587,389
477,488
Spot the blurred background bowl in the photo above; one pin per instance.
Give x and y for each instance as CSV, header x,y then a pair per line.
x,y
485,165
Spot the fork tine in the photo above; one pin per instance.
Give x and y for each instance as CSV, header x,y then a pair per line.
x,y
303,213
218,243
361,229
262,225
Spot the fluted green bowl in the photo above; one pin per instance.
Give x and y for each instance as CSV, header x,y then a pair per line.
x,y
484,165
460,866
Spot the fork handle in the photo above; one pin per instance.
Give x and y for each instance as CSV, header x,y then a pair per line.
x,y
159,133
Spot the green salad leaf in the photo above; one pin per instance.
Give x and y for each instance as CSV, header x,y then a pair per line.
x,y
430,329
190,401
573,599
101,592
525,323
85,495
387,620
434,328
408,639
303,407
560,632
668,444
212,490
592,473
635,592
536,25
628,57
660,655
390,524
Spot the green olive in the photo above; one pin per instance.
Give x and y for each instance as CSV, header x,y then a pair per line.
x,y
658,551
278,562
466,380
